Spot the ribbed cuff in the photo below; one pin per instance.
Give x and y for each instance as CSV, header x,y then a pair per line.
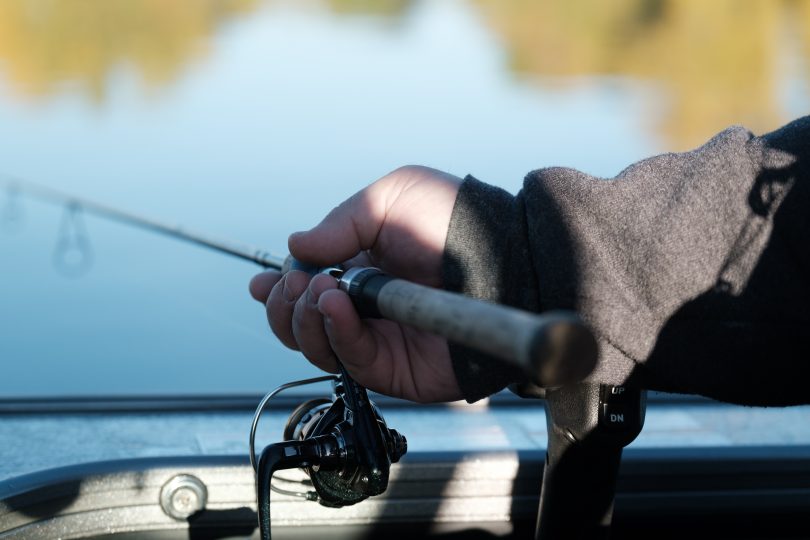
x,y
486,256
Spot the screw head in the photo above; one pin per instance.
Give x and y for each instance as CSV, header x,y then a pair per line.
x,y
183,496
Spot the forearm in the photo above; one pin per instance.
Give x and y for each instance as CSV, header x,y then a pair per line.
x,y
691,268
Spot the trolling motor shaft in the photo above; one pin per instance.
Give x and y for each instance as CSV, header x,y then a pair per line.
x,y
588,427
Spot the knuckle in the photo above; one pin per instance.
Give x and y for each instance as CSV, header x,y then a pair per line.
x,y
327,364
307,330
317,357
285,338
409,170
279,322
304,317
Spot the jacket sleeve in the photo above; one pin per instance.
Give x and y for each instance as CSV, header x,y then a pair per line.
x,y
693,269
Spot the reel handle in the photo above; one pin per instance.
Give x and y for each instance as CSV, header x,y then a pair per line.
x,y
322,451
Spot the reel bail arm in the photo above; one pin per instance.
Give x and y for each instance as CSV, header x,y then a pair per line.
x,y
344,446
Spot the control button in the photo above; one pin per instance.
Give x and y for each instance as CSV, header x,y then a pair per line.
x,y
616,416
617,394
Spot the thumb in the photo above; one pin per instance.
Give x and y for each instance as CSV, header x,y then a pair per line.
x,y
347,230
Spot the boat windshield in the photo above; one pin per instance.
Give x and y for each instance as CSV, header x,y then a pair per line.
x,y
251,119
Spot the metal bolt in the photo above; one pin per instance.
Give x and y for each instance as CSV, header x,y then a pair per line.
x,y
183,496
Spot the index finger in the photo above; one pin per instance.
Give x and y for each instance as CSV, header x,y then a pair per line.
x,y
347,230
261,285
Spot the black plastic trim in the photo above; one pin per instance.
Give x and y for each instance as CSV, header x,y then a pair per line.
x,y
247,402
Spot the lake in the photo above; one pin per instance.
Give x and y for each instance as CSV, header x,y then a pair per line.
x,y
249,120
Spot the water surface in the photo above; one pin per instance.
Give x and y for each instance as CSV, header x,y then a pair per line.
x,y
249,120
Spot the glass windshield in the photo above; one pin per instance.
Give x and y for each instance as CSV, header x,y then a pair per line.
x,y
248,120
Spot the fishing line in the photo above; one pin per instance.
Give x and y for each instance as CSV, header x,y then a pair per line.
x,y
19,186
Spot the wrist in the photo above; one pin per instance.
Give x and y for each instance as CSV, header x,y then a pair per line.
x,y
486,256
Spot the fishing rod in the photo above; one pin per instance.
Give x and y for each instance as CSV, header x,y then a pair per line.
x,y
48,194
344,444
553,348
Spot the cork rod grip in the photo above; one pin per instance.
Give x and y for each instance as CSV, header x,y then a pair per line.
x,y
554,348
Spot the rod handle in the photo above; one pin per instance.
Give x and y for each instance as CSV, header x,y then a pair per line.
x,y
554,348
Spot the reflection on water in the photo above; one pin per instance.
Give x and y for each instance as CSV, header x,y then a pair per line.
x,y
271,111
385,8
717,63
45,43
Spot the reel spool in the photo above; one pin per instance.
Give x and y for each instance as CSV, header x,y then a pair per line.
x,y
344,445
336,488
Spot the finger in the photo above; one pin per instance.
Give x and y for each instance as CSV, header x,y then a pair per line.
x,y
261,285
351,227
350,339
281,305
307,324
362,259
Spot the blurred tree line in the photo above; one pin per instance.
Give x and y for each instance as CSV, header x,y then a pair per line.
x,y
718,62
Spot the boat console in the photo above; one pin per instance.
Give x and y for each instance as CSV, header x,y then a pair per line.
x,y
179,468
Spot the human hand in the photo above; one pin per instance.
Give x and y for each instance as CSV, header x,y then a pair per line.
x,y
398,224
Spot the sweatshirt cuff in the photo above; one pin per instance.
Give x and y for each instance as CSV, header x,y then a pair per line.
x,y
486,256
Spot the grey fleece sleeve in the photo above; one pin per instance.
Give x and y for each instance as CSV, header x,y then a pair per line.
x,y
693,269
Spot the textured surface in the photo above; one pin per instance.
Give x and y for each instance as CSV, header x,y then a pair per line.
x,y
691,268
36,442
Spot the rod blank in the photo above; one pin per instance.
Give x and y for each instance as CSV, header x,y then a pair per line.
x,y
37,191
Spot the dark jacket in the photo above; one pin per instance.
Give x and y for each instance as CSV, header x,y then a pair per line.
x,y
693,269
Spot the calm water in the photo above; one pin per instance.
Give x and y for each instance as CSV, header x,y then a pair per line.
x,y
250,120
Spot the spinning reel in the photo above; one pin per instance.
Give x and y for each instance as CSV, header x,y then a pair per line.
x,y
343,445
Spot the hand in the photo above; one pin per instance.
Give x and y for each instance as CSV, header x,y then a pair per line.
x,y
398,224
